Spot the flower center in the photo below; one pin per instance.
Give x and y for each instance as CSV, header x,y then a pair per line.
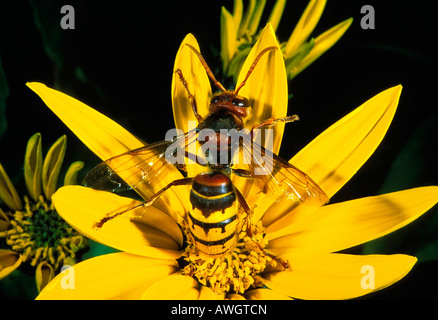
x,y
237,270
39,234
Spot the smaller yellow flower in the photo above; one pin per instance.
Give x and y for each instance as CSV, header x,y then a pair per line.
x,y
239,31
32,231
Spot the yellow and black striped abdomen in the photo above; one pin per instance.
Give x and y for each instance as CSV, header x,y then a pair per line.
x,y
213,217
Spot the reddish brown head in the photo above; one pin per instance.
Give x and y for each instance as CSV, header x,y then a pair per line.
x,y
230,100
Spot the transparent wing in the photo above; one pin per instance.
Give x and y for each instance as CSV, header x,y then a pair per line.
x,y
146,170
278,177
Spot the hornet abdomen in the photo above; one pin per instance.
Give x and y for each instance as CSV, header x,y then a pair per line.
x,y
213,217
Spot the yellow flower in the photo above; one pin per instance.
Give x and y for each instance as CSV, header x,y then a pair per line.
x,y
239,31
33,232
156,261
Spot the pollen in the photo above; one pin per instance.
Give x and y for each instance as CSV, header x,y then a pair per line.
x,y
236,271
39,234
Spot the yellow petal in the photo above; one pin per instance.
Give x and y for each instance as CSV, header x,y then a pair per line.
x,y
333,157
173,287
205,293
107,139
321,44
8,193
4,219
354,137
266,87
305,26
52,166
343,225
243,28
111,276
235,296
237,13
265,294
9,261
72,173
266,90
155,234
256,16
228,38
33,164
100,134
279,215
197,82
339,276
44,273
276,13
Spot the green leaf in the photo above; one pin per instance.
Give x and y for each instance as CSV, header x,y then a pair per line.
x,y
414,159
237,63
97,249
415,163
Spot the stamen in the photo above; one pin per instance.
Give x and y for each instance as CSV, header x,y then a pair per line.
x,y
39,234
235,271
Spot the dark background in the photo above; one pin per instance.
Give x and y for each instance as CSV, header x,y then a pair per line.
x,y
119,60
